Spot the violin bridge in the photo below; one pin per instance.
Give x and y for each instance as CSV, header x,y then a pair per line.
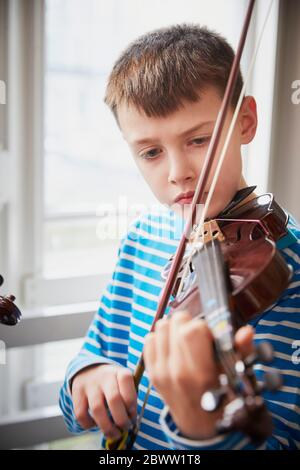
x,y
210,231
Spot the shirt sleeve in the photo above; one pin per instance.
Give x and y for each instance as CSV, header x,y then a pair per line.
x,y
106,341
280,326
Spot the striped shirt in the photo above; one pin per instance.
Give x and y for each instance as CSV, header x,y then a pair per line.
x,y
125,314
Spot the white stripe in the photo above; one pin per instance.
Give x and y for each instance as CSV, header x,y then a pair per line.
x,y
152,424
265,368
141,324
134,352
294,296
281,439
286,323
149,250
112,311
285,357
139,232
120,298
294,284
138,338
288,423
114,354
118,326
153,223
289,406
146,310
152,408
107,339
147,279
138,447
241,444
92,342
288,389
143,263
282,339
286,309
146,294
292,255
154,238
154,393
154,440
126,285
142,293
182,440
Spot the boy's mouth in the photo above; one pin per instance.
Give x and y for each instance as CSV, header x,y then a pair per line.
x,y
186,198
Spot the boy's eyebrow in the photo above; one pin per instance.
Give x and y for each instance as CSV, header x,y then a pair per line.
x,y
188,131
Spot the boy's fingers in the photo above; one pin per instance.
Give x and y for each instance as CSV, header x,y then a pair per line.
x,y
116,404
80,403
100,414
128,391
244,340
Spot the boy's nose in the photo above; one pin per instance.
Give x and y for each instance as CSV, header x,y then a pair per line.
x,y
180,170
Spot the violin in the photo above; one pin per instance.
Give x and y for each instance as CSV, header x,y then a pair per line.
x,y
9,312
226,270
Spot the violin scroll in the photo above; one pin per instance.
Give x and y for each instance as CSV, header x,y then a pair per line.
x,y
245,409
9,312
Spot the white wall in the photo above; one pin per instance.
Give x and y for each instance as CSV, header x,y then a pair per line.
x,y
285,156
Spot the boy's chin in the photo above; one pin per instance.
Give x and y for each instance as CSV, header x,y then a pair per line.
x,y
184,210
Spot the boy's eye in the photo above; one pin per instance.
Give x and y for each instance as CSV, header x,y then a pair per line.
x,y
150,154
199,140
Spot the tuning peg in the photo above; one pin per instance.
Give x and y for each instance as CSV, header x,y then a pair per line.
x,y
263,353
212,399
272,381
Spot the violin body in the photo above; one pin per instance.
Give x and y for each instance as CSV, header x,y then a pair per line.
x,y
256,271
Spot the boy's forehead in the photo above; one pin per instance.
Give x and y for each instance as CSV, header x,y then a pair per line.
x,y
137,127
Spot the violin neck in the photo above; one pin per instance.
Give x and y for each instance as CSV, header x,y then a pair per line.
x,y
211,280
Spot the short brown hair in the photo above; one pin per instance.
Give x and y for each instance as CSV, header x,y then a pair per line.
x,y
163,67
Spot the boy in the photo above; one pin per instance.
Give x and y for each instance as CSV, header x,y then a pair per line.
x,y
165,92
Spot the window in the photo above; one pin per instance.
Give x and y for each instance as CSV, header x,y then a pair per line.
x,y
86,162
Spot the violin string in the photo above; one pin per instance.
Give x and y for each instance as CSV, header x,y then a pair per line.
x,y
225,147
224,357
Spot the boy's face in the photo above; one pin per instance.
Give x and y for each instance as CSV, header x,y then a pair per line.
x,y
170,151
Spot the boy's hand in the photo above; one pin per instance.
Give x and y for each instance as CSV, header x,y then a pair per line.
x,y
180,361
101,387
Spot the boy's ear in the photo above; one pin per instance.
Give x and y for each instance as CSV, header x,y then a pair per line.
x,y
248,119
